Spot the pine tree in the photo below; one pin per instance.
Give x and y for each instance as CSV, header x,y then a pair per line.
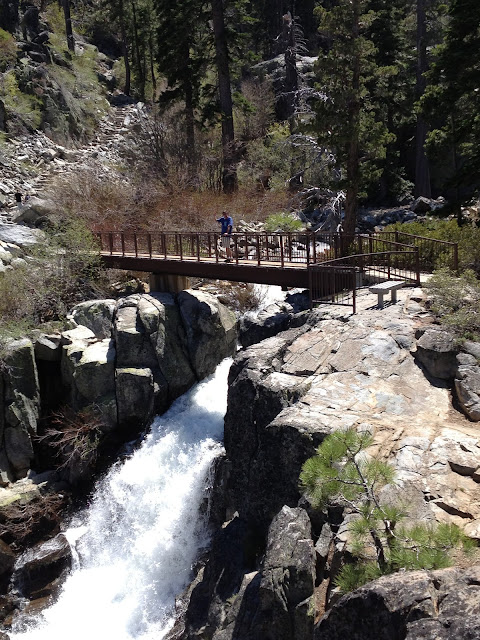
x,y
182,55
229,177
346,122
452,98
343,470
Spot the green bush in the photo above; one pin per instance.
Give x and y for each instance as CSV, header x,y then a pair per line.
x,y
467,237
20,106
283,222
8,50
455,301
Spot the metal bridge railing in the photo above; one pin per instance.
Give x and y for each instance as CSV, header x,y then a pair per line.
x,y
337,281
284,249
330,284
433,253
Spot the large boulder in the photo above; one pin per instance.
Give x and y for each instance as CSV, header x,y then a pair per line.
x,y
37,569
97,315
467,386
132,342
21,406
35,209
269,322
161,320
284,605
416,605
437,351
232,598
135,396
88,369
210,329
264,460
21,236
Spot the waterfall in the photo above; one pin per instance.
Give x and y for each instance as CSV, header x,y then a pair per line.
x,y
135,545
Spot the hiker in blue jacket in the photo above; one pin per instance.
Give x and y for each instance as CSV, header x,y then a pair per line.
x,y
227,225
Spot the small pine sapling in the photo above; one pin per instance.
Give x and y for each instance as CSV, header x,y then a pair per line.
x,y
342,470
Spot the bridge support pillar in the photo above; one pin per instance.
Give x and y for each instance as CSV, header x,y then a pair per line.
x,y
168,282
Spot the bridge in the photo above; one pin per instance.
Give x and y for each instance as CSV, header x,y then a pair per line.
x,y
331,265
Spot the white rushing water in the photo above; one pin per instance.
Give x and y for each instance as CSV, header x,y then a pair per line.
x,y
137,541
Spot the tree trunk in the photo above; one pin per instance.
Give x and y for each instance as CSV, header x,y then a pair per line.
x,y
229,177
68,25
457,204
152,68
189,121
353,163
422,169
139,61
126,60
291,74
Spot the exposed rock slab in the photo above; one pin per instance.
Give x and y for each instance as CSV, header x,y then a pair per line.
x,y
416,605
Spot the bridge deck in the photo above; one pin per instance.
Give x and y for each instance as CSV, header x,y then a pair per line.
x,y
291,274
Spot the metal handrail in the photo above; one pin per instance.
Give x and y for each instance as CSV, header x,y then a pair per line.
x,y
366,261
427,261
298,247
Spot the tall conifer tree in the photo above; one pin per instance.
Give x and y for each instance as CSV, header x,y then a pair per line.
x,y
346,121
452,99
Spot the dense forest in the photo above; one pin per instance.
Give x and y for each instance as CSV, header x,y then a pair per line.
x,y
374,98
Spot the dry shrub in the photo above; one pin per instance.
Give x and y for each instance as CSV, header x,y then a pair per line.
x,y
108,205
74,438
104,203
240,296
62,271
24,524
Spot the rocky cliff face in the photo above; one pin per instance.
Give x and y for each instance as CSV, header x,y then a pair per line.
x,y
417,605
129,358
286,394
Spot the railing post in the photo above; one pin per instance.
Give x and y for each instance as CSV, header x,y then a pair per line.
x,y
314,244
417,264
198,247
149,243
308,248
135,243
122,240
209,245
110,242
258,248
266,244
388,260
282,261
164,243
235,247
180,246
455,258
354,289
217,250
310,285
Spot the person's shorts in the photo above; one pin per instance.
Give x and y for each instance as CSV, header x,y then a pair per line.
x,y
225,241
